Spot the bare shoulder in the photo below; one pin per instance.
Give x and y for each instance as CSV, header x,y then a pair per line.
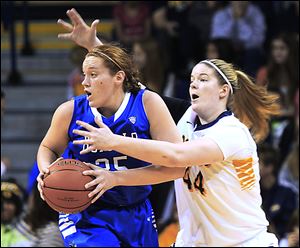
x,y
150,98
65,110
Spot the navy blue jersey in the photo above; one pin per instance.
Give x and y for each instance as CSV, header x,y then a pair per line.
x,y
130,120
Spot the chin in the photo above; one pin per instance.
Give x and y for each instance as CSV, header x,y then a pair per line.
x,y
195,108
91,104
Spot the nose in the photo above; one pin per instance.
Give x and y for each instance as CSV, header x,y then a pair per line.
x,y
193,84
85,82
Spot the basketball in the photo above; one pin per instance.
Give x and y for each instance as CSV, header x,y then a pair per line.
x,y
64,189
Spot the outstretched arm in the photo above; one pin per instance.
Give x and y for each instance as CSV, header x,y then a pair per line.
x,y
79,31
105,180
196,152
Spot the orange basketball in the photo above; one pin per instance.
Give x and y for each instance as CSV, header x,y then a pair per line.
x,y
64,189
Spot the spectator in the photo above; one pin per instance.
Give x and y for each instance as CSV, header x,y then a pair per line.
x,y
290,133
278,201
132,22
281,16
34,225
289,173
75,78
281,73
174,34
40,220
291,238
12,203
146,55
200,21
244,24
220,48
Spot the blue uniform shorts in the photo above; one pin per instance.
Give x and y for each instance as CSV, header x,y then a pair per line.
x,y
110,226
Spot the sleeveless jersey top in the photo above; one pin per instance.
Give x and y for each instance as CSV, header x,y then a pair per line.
x,y
129,120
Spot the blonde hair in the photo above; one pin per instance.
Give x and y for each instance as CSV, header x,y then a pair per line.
x,y
115,59
251,103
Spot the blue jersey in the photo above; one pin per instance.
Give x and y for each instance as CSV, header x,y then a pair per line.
x,y
130,120
122,216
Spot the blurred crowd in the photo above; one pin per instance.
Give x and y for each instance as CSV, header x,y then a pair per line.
x,y
166,39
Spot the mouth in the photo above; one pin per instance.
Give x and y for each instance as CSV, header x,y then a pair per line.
x,y
194,97
88,93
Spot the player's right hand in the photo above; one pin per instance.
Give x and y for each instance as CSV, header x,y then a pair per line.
x,y
41,176
79,31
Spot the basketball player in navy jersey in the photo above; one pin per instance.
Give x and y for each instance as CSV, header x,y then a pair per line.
x,y
123,216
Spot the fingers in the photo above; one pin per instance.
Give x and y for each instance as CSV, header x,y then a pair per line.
x,y
99,122
40,184
87,150
40,179
41,191
94,182
94,167
99,191
75,17
64,36
82,133
65,25
94,25
98,196
85,125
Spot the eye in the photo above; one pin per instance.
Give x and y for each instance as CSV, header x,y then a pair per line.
x,y
93,74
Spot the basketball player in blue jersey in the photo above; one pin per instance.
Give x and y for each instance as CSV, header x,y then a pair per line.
x,y
123,216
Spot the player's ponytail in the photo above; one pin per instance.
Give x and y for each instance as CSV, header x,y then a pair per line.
x,y
253,105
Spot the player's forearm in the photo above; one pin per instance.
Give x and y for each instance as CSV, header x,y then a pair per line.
x,y
153,151
45,157
147,175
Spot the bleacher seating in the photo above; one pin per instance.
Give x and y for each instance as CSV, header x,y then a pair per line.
x,y
30,105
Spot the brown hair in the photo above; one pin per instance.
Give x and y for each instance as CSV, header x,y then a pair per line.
x,y
251,103
115,59
289,67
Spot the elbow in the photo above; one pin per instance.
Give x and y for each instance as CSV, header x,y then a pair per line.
x,y
175,160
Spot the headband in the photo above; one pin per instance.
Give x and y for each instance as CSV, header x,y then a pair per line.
x,y
110,59
114,62
220,72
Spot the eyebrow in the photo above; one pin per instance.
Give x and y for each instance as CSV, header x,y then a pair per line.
x,y
198,75
92,68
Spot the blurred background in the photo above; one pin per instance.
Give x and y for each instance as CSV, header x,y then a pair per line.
x,y
166,39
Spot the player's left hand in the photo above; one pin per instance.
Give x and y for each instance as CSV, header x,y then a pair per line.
x,y
104,180
79,32
100,138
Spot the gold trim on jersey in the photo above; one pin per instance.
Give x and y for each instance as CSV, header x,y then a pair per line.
x,y
245,172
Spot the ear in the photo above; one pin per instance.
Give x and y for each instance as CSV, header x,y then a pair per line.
x,y
224,90
120,77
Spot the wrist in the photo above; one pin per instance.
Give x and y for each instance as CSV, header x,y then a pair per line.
x,y
115,141
95,43
117,178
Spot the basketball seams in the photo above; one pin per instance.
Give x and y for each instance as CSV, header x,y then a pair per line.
x,y
67,210
64,189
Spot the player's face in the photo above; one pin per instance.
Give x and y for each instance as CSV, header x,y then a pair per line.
x,y
99,85
204,89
